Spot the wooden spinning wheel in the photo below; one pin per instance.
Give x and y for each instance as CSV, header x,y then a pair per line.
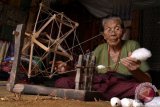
x,y
48,40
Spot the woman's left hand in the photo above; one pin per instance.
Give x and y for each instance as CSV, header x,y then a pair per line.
x,y
131,63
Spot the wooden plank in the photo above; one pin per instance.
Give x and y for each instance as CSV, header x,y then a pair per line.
x,y
18,45
57,92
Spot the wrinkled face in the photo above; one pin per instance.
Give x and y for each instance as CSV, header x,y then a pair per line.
x,y
113,32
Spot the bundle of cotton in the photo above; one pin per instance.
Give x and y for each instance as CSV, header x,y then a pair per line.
x,y
141,54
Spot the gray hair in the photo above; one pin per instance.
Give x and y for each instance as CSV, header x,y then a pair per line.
x,y
112,18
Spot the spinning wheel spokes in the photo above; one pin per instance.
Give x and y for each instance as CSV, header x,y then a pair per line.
x,y
49,40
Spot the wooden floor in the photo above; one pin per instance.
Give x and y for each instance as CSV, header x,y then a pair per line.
x,y
8,99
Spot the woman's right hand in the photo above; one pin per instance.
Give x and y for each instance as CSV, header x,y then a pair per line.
x,y
60,66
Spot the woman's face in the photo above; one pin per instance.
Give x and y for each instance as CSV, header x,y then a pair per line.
x,y
113,32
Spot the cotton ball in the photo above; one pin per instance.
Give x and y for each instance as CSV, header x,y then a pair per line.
x,y
126,102
137,103
101,67
115,102
141,54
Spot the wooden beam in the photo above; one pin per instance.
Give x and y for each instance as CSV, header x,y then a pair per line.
x,y
57,92
40,44
19,35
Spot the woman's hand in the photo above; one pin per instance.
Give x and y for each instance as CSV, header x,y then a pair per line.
x,y
60,66
131,63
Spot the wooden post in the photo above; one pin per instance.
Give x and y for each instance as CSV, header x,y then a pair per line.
x,y
91,71
18,45
78,74
85,73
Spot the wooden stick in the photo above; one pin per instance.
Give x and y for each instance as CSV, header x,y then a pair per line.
x,y
35,26
85,76
30,60
63,54
74,24
40,44
44,26
59,32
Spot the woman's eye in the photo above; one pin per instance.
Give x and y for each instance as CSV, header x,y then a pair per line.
x,y
107,29
117,28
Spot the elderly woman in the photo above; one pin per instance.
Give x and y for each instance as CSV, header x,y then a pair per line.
x,y
122,73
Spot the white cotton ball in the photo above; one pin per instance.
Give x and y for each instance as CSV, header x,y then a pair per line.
x,y
137,103
126,102
101,67
141,54
115,102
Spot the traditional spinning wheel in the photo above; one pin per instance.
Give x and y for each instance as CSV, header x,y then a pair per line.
x,y
44,45
48,40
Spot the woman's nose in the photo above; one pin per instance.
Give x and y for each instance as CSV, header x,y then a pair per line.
x,y
112,32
